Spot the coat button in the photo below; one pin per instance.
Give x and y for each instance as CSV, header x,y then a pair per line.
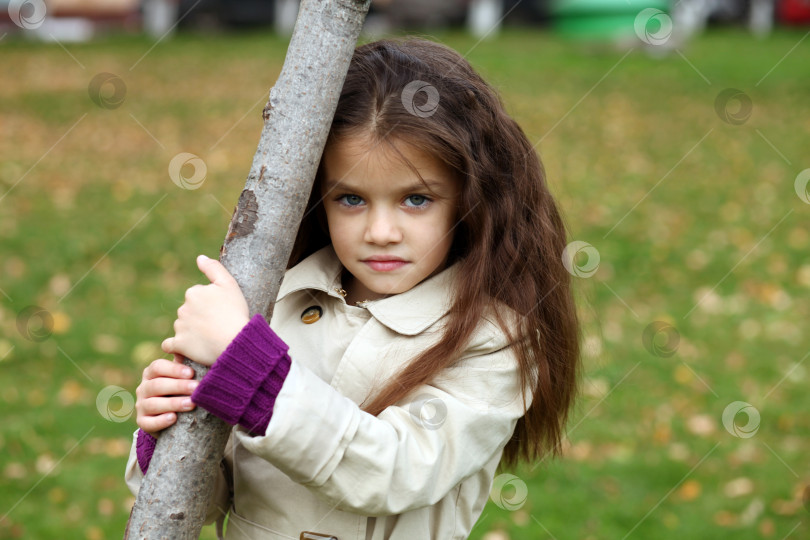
x,y
311,314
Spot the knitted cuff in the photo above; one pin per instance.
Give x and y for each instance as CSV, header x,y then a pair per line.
x,y
144,448
242,385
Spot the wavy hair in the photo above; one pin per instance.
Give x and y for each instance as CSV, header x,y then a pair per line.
x,y
510,238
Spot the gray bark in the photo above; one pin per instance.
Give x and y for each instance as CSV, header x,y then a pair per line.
x,y
174,495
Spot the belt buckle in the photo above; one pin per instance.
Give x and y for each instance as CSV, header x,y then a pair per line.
x,y
308,535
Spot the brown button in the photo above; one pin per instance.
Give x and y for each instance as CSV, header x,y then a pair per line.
x,y
306,535
311,314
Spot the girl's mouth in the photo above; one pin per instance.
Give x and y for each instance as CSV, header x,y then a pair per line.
x,y
385,266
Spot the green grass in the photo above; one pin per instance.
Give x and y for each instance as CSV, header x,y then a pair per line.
x,y
683,208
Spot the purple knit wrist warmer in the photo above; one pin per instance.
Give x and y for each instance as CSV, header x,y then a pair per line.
x,y
144,447
242,385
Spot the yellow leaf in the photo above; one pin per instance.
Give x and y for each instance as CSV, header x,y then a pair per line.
x,y
739,487
701,424
59,284
56,495
105,343
724,518
61,322
145,352
5,350
71,392
662,434
689,490
683,374
105,507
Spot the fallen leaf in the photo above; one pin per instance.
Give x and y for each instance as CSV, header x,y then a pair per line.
x,y
72,392
662,434
739,487
105,507
45,464
56,495
61,322
5,350
14,471
767,528
701,424
724,518
107,344
145,352
689,490
595,387
520,517
59,284
784,507
752,512
683,374
678,452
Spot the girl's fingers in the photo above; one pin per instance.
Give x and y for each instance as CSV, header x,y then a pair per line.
x,y
163,392
160,405
153,424
167,368
165,386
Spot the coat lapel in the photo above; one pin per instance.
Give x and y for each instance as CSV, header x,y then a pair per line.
x,y
408,313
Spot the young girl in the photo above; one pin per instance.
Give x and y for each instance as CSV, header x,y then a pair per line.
x,y
424,333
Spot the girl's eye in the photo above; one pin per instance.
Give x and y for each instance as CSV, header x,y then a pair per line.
x,y
350,200
416,201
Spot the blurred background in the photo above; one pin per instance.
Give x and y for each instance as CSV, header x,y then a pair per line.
x,y
81,20
674,136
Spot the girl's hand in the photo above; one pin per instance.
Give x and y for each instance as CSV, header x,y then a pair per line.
x,y
211,316
162,393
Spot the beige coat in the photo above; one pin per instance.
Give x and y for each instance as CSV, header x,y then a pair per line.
x,y
421,469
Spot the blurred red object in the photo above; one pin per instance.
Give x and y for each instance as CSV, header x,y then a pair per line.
x,y
794,11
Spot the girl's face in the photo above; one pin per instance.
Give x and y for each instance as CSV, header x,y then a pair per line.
x,y
387,229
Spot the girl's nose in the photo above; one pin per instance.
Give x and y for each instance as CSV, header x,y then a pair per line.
x,y
382,228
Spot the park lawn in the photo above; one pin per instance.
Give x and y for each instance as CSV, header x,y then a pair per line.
x,y
696,221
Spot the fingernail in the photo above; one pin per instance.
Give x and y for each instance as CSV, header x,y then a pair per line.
x,y
204,257
186,403
188,372
193,385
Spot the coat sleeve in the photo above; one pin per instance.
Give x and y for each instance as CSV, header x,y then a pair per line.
x,y
409,456
220,500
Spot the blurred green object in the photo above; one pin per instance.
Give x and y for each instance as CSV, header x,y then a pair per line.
x,y
600,19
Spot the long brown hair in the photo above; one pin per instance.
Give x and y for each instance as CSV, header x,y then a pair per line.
x,y
510,239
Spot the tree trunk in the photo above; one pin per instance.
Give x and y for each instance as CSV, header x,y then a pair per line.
x,y
174,495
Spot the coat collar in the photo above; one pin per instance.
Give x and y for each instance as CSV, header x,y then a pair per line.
x,y
408,313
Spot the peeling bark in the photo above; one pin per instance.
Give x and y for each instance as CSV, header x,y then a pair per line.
x,y
174,495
